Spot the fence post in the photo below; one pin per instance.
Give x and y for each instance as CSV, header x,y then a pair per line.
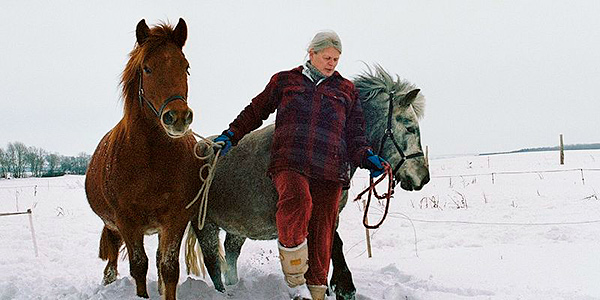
x,y
493,179
427,156
32,232
562,150
582,178
368,236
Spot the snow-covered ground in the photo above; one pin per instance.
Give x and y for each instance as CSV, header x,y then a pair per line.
x,y
523,236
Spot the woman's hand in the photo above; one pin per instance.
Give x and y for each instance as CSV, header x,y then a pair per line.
x,y
375,163
225,141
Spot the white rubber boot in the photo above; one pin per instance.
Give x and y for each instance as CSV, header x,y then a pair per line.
x,y
300,292
317,291
294,263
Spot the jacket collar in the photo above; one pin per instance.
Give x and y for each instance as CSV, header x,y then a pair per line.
x,y
300,69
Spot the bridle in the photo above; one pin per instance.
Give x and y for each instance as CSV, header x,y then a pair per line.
x,y
158,112
387,173
389,134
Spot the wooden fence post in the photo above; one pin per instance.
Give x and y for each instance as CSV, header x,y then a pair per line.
x,y
427,156
368,235
35,248
562,150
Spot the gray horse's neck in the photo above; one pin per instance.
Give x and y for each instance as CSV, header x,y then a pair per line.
x,y
375,122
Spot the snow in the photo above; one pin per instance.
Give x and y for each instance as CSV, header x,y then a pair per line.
x,y
534,235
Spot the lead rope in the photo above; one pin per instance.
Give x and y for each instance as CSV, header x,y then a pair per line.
x,y
206,182
372,191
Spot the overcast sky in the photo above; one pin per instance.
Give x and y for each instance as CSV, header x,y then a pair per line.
x,y
497,75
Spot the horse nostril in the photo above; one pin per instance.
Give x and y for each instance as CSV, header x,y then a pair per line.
x,y
189,117
168,118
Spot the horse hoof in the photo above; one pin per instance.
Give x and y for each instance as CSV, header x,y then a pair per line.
x,y
351,296
110,276
220,288
230,280
107,281
343,295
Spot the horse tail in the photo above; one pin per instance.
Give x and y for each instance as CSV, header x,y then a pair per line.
x,y
110,241
194,259
222,262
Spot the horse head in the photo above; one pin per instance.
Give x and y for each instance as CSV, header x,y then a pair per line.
x,y
155,79
392,109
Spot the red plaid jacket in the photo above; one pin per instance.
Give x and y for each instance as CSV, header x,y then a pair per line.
x,y
319,129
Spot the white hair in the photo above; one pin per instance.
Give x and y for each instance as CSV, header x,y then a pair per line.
x,y
325,39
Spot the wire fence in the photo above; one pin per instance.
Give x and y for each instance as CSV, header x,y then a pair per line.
x,y
378,211
31,229
493,175
26,195
31,186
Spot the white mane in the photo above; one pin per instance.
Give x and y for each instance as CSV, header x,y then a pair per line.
x,y
374,81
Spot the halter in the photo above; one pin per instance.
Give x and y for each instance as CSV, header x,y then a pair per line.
x,y
390,134
159,112
389,173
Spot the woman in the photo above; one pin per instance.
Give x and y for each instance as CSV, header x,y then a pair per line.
x,y
319,131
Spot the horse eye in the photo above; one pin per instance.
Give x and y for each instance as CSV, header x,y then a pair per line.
x,y
147,70
412,130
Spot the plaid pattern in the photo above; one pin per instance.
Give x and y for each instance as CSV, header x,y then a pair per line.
x,y
319,129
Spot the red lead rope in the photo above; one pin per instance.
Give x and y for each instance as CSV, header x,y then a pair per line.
x,y
372,191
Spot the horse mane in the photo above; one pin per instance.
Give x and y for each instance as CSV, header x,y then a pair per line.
x,y
371,82
159,35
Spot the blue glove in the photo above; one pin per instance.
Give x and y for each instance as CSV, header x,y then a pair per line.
x,y
375,163
225,139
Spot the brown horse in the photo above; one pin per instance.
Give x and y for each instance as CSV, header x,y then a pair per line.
x,y
143,173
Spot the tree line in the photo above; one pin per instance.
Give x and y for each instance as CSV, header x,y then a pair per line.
x,y
592,146
18,160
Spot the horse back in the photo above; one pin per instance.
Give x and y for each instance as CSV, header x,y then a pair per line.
x,y
242,198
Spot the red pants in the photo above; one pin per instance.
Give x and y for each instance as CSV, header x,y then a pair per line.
x,y
307,209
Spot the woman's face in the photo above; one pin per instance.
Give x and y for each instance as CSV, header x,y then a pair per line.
x,y
325,60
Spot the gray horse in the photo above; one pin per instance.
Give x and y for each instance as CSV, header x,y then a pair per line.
x,y
242,199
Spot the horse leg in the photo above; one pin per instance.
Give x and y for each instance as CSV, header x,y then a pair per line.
x,y
138,261
168,265
158,260
341,278
233,247
110,242
208,238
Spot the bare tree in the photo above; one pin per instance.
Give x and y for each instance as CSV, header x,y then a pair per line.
x,y
35,159
53,160
16,155
3,163
66,164
81,162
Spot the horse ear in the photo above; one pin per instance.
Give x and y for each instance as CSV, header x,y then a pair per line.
x,y
410,97
142,31
180,33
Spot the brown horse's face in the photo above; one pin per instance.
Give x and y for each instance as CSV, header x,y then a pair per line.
x,y
164,82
